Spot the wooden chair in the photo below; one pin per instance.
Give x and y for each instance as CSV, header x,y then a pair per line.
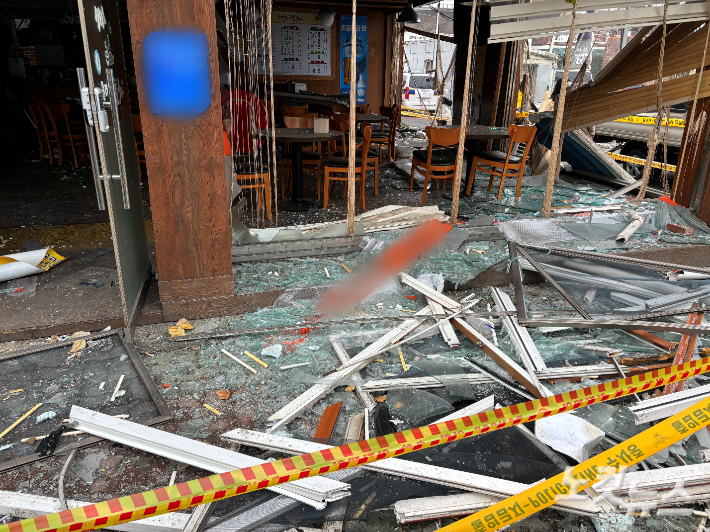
x,y
386,139
252,174
290,110
437,162
35,107
341,109
504,164
372,159
138,138
311,157
336,169
66,136
364,109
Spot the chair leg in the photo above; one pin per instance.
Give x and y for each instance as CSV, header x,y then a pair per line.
x,y
258,197
471,177
426,182
267,196
502,181
326,188
73,150
411,179
319,177
520,181
362,189
377,176
283,179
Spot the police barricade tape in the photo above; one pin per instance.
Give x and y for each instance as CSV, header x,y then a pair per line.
x,y
650,120
232,483
597,470
642,162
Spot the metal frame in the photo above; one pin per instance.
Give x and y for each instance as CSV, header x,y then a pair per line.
x,y
143,374
516,250
528,380
315,491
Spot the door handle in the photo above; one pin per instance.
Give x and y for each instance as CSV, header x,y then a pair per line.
x,y
113,97
89,124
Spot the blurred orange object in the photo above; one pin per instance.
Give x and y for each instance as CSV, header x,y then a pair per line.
x,y
393,260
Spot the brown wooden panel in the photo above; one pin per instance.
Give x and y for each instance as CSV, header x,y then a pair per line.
x,y
218,306
692,150
180,289
185,159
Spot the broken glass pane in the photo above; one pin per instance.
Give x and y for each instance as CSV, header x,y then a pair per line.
x,y
416,405
450,375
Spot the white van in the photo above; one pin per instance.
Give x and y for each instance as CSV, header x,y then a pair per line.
x,y
418,93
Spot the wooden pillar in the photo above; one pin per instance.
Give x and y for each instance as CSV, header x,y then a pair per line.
x,y
186,175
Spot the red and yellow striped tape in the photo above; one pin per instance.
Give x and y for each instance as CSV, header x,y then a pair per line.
x,y
215,487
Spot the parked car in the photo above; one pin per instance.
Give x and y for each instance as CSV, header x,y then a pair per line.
x,y
419,93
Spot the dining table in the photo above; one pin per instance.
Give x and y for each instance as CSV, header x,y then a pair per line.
x,y
372,118
297,137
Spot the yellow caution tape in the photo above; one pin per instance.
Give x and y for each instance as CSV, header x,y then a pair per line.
x,y
216,487
642,162
650,120
598,469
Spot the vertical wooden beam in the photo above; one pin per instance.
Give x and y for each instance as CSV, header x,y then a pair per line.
x,y
554,167
456,187
353,103
186,174
400,68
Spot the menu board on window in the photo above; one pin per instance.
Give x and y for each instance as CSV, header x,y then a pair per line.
x,y
301,46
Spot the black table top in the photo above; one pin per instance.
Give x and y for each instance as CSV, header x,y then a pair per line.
x,y
477,132
297,134
371,118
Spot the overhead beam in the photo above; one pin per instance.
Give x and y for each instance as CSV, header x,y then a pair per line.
x,y
445,38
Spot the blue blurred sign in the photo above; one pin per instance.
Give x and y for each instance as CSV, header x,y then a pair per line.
x,y
177,73
359,55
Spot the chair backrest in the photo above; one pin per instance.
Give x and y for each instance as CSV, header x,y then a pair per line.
x,y
442,137
293,110
55,111
299,121
337,118
364,109
521,135
35,107
341,109
386,111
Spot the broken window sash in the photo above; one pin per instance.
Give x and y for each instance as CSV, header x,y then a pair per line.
x,y
519,336
667,405
619,281
529,381
199,454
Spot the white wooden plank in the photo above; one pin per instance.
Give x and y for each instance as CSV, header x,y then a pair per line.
x,y
645,16
551,8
